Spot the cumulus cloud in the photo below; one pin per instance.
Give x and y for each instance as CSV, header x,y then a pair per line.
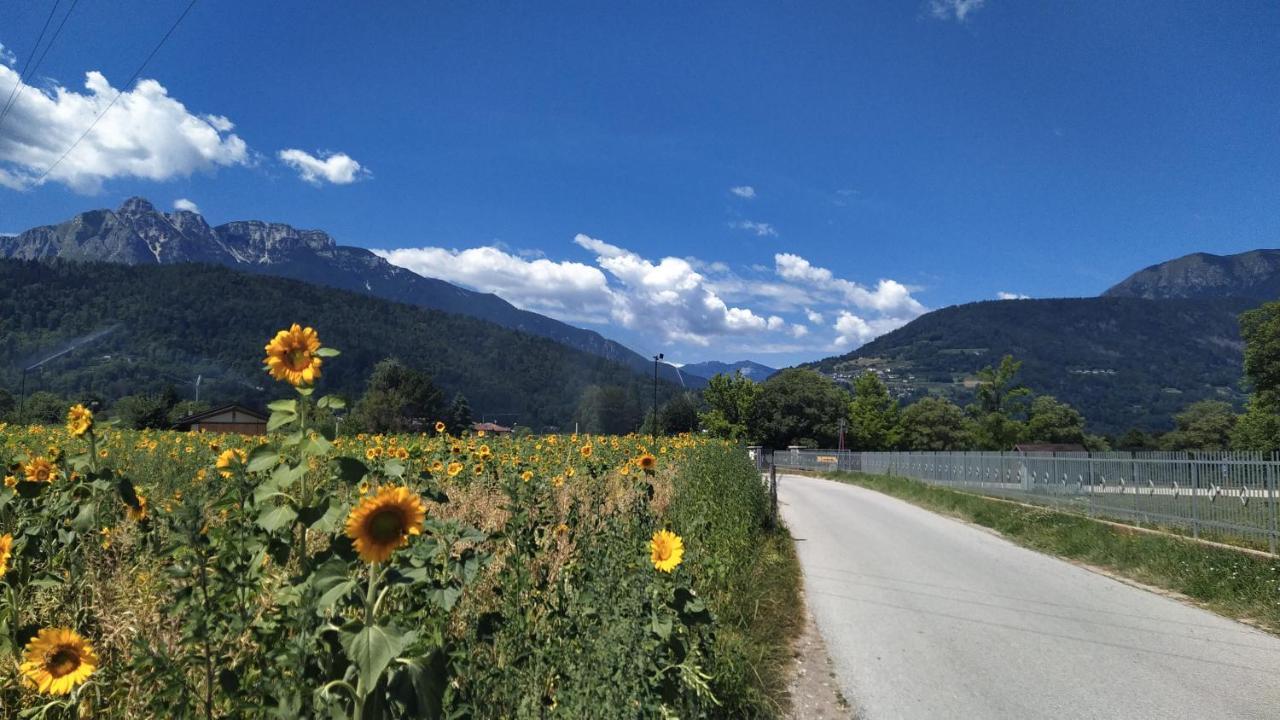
x,y
890,297
146,134
567,290
957,10
185,204
814,316
1002,295
743,191
6,57
762,229
334,168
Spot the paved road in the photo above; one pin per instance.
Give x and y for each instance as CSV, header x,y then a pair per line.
x,y
927,617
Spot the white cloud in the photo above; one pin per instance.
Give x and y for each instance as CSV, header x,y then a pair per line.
x,y
853,330
813,316
1002,295
185,204
761,229
957,10
743,191
567,290
7,58
146,134
890,297
336,168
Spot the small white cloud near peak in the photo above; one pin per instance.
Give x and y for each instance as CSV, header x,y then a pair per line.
x,y
743,191
958,10
335,168
761,229
1002,295
187,205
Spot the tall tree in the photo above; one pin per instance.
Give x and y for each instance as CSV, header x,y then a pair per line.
x,y
873,415
935,423
1052,421
798,407
398,398
731,400
1259,427
607,409
1203,425
1000,405
459,417
679,414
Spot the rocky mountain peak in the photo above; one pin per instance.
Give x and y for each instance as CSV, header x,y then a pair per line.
x,y
136,206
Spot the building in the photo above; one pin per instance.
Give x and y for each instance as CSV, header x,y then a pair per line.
x,y
490,428
229,418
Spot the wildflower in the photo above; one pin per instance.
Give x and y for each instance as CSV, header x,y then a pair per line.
x,y
40,470
384,522
79,420
291,356
666,550
57,660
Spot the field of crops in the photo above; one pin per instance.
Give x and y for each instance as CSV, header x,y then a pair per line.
x,y
300,574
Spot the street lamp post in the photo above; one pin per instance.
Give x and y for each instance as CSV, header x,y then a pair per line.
x,y
654,419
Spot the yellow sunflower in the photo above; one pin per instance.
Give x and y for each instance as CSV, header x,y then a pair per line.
x,y
57,660
228,460
439,426
454,468
137,514
6,549
10,481
291,356
666,550
79,420
647,462
40,470
384,522
585,451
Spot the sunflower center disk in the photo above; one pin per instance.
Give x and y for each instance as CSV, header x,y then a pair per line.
x,y
297,359
62,662
386,526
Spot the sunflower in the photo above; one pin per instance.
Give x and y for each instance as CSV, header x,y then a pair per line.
x,y
57,660
79,420
647,462
228,460
454,468
6,549
585,451
666,550
291,356
137,514
384,522
10,481
40,470
527,475
439,426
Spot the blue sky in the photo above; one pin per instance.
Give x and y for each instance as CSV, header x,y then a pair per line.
x,y
581,160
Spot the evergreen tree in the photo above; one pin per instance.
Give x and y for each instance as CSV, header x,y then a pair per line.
x,y
459,419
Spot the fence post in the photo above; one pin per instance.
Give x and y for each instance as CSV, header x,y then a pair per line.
x,y
1133,474
1195,496
1271,502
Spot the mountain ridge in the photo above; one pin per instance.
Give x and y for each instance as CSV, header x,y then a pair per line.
x,y
1253,274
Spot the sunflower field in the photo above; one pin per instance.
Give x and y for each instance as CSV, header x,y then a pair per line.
x,y
302,574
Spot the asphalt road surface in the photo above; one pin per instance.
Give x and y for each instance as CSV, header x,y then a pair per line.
x,y
929,617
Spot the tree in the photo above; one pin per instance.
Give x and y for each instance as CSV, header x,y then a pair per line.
x,y
398,398
184,408
935,423
798,407
7,403
607,409
42,407
459,418
999,405
679,414
1204,425
873,415
1052,421
142,411
731,400
1259,428
1136,440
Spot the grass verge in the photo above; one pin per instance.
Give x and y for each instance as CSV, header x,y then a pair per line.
x,y
1235,584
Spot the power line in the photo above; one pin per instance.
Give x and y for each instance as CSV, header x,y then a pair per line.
x,y
27,63
21,85
119,92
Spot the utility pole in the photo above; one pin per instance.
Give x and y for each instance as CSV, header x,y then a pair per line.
x,y
841,448
654,420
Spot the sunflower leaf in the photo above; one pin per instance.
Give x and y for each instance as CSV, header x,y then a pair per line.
x,y
279,420
327,352
289,406
263,457
373,647
273,519
351,470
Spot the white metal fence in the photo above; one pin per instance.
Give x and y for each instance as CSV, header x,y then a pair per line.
x,y
1210,494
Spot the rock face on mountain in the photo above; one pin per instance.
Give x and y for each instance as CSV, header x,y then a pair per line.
x,y
1253,274
139,234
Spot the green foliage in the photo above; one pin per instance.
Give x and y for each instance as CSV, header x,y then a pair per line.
x,y
731,400
873,415
179,321
397,399
1203,425
1052,421
679,414
459,419
798,407
1000,406
608,409
1259,428
935,423
142,411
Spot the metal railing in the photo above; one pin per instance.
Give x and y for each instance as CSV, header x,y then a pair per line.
x,y
1216,495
